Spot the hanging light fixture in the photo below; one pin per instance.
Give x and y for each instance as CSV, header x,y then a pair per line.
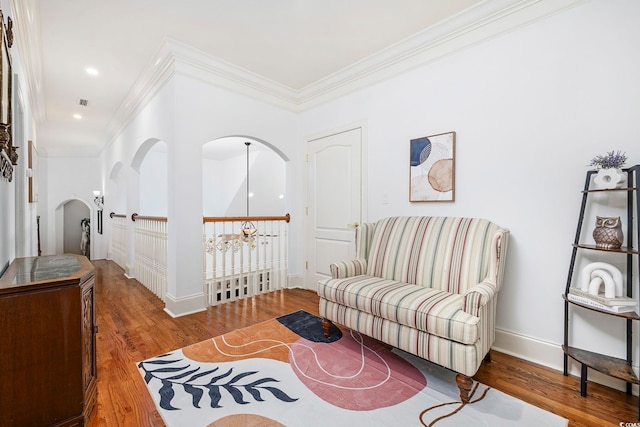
x,y
247,227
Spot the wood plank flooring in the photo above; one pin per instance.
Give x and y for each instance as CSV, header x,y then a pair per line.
x,y
132,326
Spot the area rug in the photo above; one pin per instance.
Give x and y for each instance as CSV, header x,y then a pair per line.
x,y
284,372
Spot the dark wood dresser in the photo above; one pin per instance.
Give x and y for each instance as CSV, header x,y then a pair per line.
x,y
47,342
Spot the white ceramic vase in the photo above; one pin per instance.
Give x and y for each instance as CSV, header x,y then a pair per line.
x,y
607,179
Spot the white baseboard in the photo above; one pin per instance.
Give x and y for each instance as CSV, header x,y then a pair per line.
x,y
129,272
295,281
190,304
550,355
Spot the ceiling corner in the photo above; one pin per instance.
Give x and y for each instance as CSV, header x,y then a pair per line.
x,y
27,35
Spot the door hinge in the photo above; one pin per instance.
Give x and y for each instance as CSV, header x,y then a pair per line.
x,y
307,211
306,265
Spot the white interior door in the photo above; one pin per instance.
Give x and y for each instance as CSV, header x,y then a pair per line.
x,y
334,200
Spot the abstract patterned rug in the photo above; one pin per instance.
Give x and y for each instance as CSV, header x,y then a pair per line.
x,y
283,372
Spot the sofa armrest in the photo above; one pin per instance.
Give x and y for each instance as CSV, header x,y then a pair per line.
x,y
342,269
478,296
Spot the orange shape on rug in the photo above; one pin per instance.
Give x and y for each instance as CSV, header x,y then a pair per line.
x,y
269,340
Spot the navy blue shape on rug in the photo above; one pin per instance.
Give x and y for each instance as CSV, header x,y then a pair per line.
x,y
309,326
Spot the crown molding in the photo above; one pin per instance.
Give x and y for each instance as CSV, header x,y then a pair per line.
x,y
487,20
483,22
158,71
174,57
207,68
27,37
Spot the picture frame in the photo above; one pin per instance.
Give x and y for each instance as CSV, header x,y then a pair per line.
x,y
5,71
432,168
32,165
8,152
99,228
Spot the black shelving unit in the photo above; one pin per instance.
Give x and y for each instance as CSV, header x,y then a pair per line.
x,y
612,366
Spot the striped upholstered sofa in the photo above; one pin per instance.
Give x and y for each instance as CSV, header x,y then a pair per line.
x,y
426,285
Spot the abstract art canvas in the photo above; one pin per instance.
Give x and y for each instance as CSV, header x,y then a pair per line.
x,y
432,168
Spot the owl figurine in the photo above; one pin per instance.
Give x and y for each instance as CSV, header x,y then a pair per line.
x,y
608,232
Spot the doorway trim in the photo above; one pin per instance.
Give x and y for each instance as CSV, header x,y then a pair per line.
x,y
363,126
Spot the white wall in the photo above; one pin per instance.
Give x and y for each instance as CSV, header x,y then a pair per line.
x,y
530,109
123,157
7,223
68,179
224,186
153,182
219,184
17,215
185,114
205,113
267,183
115,186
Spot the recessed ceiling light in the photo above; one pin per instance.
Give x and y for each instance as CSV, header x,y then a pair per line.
x,y
91,71
77,116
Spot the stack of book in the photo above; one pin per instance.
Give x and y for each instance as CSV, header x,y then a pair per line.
x,y
613,305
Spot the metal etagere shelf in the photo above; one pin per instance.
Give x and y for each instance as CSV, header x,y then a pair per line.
x,y
615,367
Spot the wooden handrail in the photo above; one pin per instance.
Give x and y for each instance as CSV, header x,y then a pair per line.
x,y
115,215
206,219
286,218
135,216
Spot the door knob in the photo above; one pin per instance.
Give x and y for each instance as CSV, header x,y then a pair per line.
x,y
353,225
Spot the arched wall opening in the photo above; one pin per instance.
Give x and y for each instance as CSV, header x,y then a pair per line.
x,y
150,163
224,174
73,227
117,189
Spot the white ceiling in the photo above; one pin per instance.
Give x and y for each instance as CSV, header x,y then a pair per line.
x,y
300,47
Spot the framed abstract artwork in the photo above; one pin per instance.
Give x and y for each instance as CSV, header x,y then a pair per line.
x,y
432,168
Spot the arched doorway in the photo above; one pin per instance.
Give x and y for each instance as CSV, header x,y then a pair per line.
x,y
150,163
73,228
224,166
244,205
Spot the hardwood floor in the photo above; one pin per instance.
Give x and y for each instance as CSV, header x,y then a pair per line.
x,y
132,326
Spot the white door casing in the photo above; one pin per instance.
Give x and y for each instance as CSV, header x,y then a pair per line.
x,y
334,200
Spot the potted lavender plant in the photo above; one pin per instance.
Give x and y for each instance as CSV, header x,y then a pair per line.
x,y
609,168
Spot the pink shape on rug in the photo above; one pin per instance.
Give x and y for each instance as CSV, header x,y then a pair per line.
x,y
355,372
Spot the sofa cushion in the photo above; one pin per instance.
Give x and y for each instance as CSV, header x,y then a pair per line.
x,y
431,310
463,358
446,253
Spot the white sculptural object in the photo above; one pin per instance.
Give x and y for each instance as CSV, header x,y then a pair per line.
x,y
598,273
608,178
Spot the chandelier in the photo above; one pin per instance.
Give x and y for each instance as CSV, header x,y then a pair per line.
x,y
247,228
248,231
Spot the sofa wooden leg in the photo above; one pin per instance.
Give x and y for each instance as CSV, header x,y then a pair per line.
x,y
326,326
464,384
487,358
